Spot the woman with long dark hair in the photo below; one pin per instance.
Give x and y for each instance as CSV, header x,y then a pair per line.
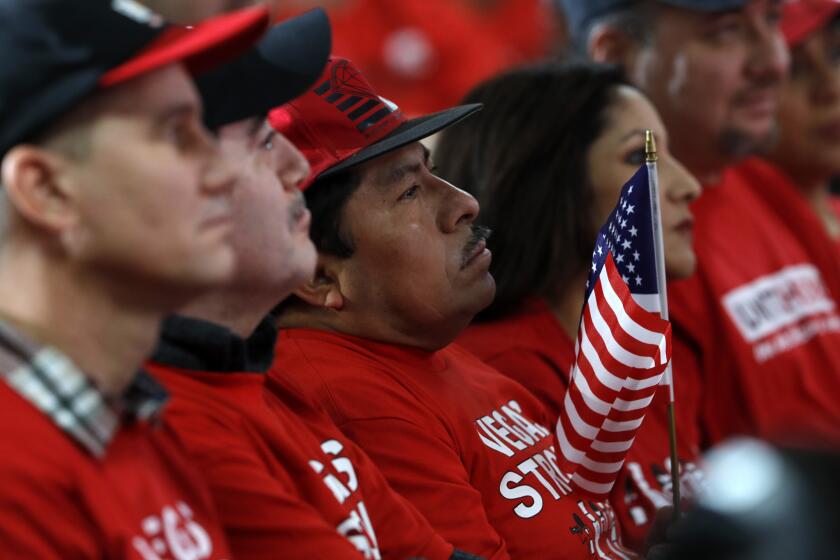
x,y
546,159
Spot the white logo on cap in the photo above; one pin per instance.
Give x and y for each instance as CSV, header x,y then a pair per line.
x,y
137,12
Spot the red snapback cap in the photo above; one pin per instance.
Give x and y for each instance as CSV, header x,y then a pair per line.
x,y
341,122
201,47
800,18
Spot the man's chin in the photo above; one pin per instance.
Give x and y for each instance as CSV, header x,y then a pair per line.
x,y
744,141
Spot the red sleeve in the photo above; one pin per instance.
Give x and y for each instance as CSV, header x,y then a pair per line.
x,y
403,532
443,493
40,518
262,515
537,375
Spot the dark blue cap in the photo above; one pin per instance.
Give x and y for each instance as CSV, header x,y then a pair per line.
x,y
54,53
580,13
284,64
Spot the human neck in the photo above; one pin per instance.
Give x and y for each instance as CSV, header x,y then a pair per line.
x,y
429,338
568,306
708,170
100,326
239,310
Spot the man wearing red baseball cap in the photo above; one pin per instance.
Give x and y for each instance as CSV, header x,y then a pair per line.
x,y
116,210
401,271
284,478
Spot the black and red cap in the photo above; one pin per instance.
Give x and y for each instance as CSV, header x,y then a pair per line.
x,y
53,53
341,122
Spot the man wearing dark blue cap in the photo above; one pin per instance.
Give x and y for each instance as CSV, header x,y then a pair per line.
x,y
714,70
116,210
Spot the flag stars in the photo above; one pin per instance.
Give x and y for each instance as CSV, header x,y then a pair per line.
x,y
620,259
635,255
631,267
626,244
623,224
634,231
594,268
630,209
626,280
638,280
600,251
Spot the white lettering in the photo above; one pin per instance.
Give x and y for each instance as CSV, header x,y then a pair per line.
x,y
494,442
777,300
519,492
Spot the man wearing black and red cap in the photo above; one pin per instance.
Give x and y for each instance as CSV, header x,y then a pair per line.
x,y
401,271
116,210
284,478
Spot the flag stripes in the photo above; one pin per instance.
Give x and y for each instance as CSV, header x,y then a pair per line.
x,y
621,353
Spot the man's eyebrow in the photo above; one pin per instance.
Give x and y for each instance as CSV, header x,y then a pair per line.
x,y
179,110
255,124
398,172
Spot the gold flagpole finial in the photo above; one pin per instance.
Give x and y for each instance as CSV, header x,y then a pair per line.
x,y
650,146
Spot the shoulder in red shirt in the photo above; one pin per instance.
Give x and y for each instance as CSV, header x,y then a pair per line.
x,y
283,476
471,448
760,314
83,479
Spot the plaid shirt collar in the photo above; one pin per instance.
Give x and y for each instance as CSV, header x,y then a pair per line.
x,y
54,385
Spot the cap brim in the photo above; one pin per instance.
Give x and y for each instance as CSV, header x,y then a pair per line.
x,y
202,47
287,61
408,132
708,5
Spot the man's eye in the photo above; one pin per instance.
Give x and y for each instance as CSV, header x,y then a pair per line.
x,y
268,142
410,193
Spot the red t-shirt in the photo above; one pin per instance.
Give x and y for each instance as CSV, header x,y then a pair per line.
x,y
469,447
141,500
760,314
284,487
531,347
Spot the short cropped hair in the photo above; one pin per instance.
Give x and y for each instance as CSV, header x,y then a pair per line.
x,y
326,199
524,158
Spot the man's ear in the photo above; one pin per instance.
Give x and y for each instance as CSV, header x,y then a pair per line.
x,y
32,179
325,289
610,45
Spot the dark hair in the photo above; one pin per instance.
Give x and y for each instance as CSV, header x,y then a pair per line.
x,y
326,199
524,158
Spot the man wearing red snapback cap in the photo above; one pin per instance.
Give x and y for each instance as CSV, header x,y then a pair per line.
x,y
401,271
115,211
283,477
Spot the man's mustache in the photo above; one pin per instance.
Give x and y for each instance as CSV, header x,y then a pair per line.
x,y
479,234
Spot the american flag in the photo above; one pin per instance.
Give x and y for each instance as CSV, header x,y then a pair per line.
x,y
622,347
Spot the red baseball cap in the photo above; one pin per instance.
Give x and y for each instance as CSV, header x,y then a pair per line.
x,y
342,122
201,47
800,18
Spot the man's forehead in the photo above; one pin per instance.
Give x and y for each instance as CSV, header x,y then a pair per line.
x,y
385,169
162,90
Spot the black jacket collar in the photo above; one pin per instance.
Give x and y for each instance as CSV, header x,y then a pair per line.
x,y
188,343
